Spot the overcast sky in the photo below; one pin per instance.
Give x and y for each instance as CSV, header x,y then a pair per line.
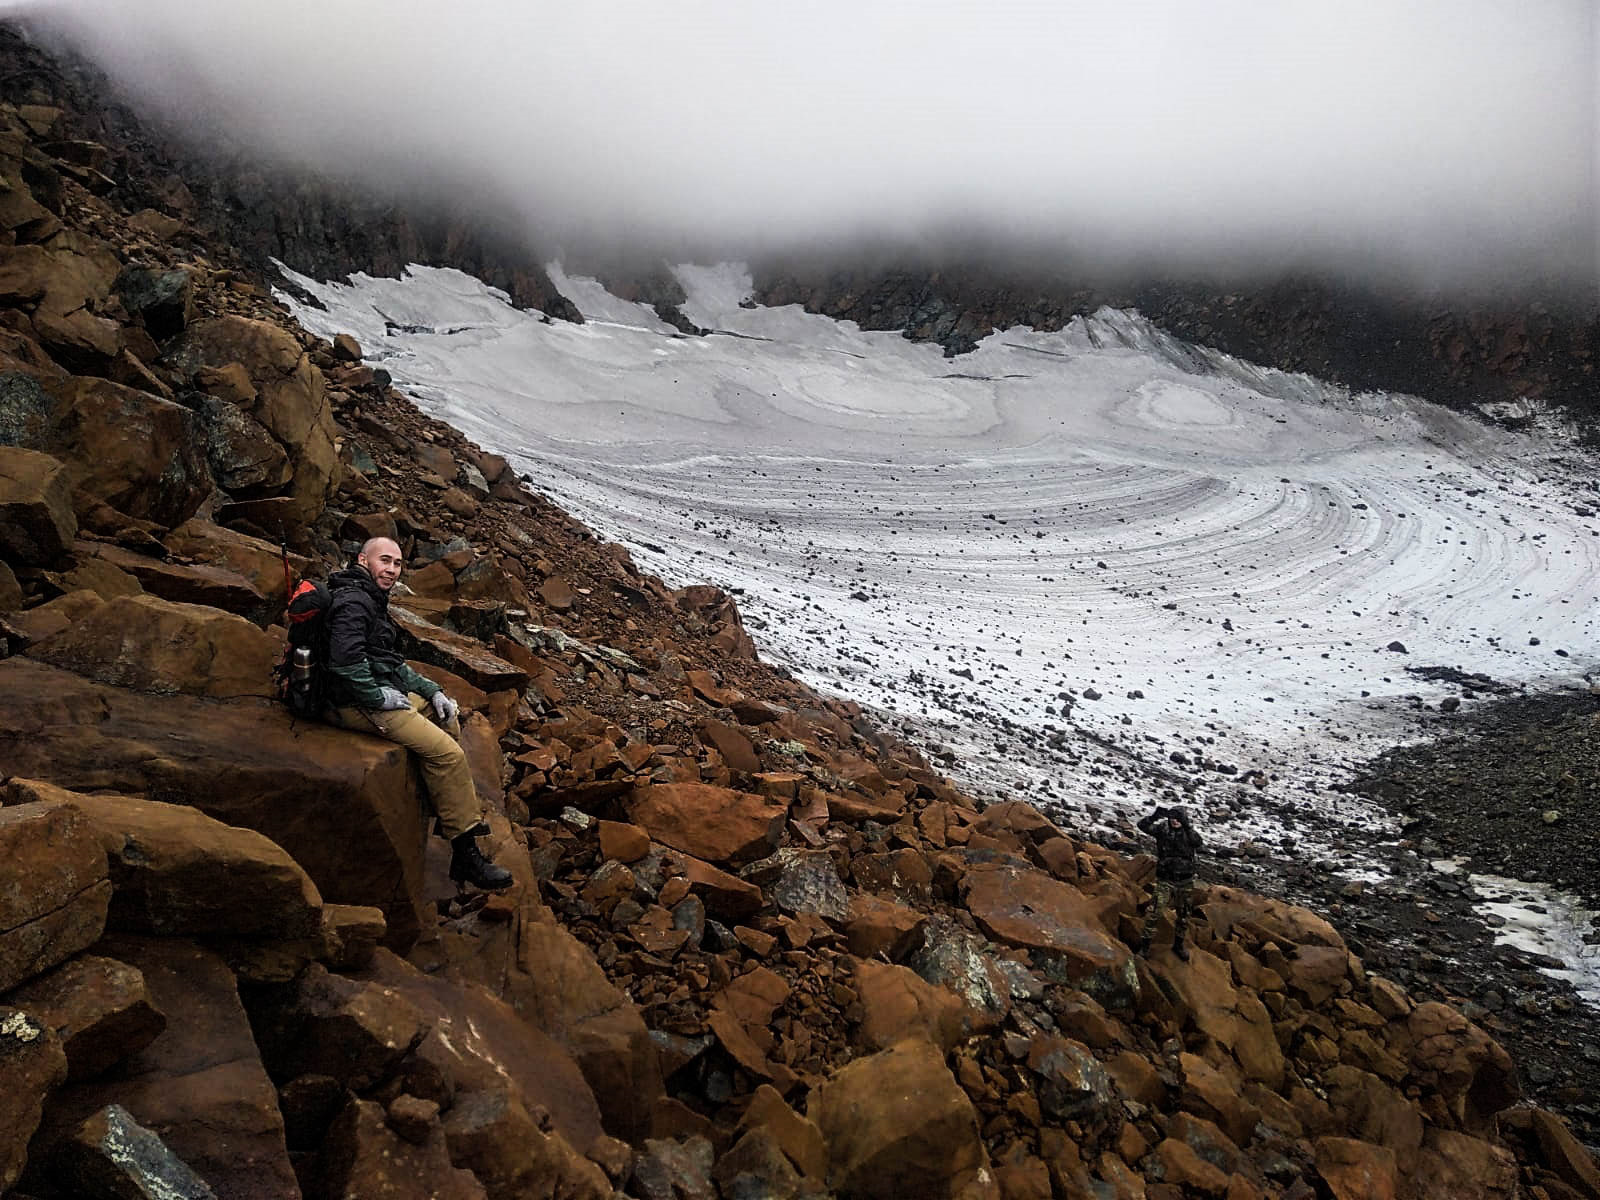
x,y
1432,138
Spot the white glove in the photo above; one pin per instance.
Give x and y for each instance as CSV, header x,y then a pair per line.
x,y
393,700
445,707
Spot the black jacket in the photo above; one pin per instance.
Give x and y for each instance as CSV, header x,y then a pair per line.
x,y
1174,847
363,654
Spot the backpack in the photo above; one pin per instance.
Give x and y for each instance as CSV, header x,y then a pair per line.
x,y
303,687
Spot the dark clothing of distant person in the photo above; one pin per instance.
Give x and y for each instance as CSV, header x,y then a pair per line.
x,y
1176,843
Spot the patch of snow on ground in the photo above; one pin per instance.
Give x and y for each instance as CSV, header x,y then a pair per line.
x,y
1221,552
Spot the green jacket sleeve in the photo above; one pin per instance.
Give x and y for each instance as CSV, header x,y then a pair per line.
x,y
420,684
357,685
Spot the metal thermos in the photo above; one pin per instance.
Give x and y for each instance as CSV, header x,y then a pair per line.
x,y
300,671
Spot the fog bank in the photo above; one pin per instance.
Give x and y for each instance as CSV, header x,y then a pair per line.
x,y
1431,142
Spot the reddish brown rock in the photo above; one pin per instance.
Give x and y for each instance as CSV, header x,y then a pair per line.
x,y
98,1007
1354,1170
259,563
361,842
140,454
875,926
53,888
152,645
571,999
725,896
32,1064
623,842
799,1138
361,1157
467,658
897,1123
200,1085
557,593
1464,1168
1025,907
46,620
1234,1018
712,823
290,398
1553,1145
734,747
491,1134
37,524
1180,1165
1470,1071
346,348
896,1004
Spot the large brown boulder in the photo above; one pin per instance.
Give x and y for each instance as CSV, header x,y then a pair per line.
x,y
896,1004
200,1086
716,824
494,1136
37,523
1468,1070
1202,989
32,1065
1354,1170
177,872
66,285
568,996
152,645
99,1008
139,453
1062,927
291,399
362,1156
467,658
897,1124
217,586
260,563
348,808
53,889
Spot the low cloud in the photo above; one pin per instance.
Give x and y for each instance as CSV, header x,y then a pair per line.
x,y
1438,142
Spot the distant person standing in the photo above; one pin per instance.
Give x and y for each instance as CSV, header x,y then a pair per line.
x,y
1176,843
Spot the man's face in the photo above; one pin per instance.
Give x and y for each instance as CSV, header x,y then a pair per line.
x,y
381,560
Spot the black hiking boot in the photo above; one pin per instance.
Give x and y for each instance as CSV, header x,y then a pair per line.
x,y
468,865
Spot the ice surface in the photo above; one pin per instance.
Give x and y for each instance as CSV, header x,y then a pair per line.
x,y
1099,508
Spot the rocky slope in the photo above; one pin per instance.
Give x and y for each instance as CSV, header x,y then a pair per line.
x,y
754,948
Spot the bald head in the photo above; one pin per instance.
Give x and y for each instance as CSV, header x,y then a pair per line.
x,y
380,558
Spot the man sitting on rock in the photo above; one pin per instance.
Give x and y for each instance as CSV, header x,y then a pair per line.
x,y
1176,842
371,688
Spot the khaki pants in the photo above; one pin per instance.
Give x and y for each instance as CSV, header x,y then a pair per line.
x,y
1178,893
438,751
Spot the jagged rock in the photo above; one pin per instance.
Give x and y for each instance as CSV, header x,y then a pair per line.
x,y
491,1134
346,348
469,659
1354,1170
149,644
577,1005
734,747
1470,1071
98,1007
32,1064
200,1083
1072,1085
724,895
258,562
955,959
137,452
713,823
1203,991
114,1156
1180,1166
361,842
802,881
799,1137
37,524
412,1118
162,300
876,926
897,1123
666,1170
203,583
324,1024
1371,1110
353,932
89,572
53,888
896,1004
1463,1168
1057,923
623,842
1556,1148
243,456
361,1156
291,400
66,284
48,619
177,872
756,1166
